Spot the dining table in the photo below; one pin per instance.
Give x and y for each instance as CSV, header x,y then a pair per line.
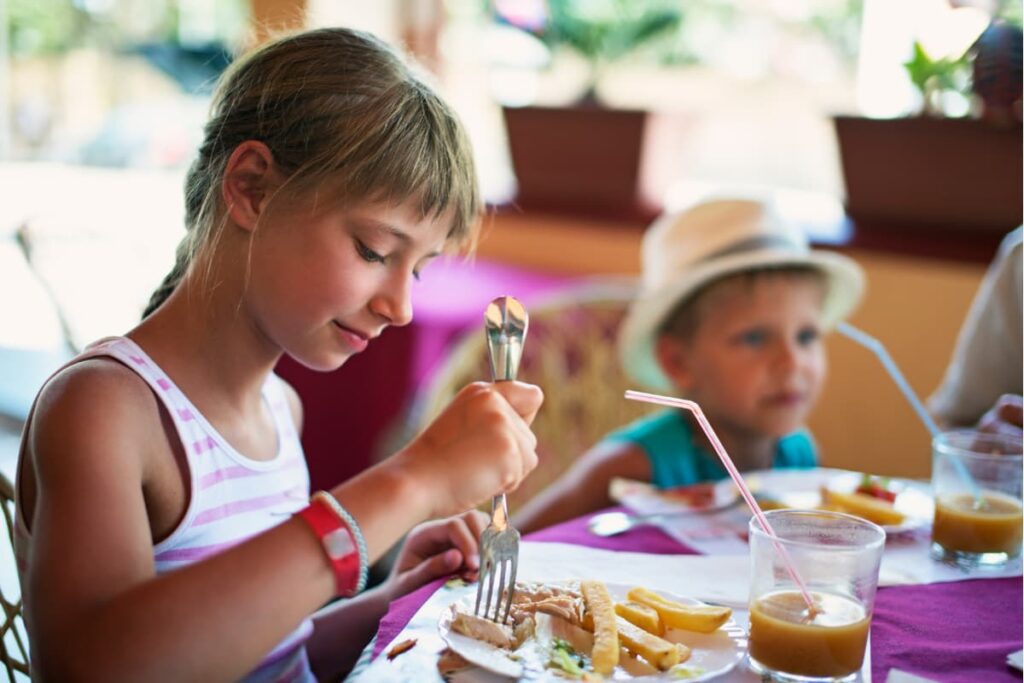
x,y
961,631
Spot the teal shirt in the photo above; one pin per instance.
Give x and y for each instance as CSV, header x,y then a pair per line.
x,y
667,439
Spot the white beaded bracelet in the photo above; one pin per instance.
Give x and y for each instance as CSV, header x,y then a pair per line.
x,y
350,521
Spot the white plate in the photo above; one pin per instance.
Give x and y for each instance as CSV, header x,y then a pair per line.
x,y
802,489
712,654
702,497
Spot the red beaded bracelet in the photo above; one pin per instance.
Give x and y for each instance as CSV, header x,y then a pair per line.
x,y
339,544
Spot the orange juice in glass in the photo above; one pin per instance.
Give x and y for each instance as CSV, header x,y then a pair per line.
x,y
837,557
977,483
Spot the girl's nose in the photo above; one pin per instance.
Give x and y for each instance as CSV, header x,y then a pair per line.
x,y
394,302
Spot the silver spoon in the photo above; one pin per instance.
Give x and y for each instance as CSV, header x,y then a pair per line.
x,y
505,324
615,523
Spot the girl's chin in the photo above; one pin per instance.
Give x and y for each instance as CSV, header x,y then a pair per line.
x,y
321,362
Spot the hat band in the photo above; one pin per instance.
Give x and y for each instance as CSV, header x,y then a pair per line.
x,y
756,244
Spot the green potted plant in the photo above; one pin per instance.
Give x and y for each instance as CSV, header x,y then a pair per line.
x,y
585,157
936,170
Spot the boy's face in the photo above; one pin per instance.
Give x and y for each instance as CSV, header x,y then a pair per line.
x,y
755,362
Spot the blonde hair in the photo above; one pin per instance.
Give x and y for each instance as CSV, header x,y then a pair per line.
x,y
341,111
685,318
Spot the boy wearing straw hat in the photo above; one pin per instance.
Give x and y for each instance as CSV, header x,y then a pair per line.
x,y
730,314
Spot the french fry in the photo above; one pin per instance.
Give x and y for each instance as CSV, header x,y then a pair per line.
x,y
659,652
862,505
605,654
641,615
700,618
401,648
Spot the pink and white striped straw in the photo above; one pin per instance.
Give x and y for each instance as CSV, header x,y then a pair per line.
x,y
736,477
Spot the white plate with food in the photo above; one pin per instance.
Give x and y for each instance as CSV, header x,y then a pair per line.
x,y
557,646
897,505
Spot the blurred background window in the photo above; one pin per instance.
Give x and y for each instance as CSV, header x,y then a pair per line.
x,y
111,82
751,84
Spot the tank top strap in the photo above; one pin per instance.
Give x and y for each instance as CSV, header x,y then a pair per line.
x,y
131,355
276,398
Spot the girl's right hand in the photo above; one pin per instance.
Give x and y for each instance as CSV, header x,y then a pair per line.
x,y
481,445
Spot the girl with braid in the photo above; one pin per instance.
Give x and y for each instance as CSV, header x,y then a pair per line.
x,y
164,525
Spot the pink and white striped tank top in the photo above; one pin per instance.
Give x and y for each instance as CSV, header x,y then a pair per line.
x,y
232,497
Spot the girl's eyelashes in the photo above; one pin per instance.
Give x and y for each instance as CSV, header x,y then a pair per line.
x,y
368,254
371,256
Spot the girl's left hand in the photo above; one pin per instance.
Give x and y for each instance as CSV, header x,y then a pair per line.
x,y
438,548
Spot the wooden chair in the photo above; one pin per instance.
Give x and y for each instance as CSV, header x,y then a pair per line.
x,y
14,651
571,353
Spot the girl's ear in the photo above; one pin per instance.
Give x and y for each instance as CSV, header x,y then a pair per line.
x,y
250,178
673,357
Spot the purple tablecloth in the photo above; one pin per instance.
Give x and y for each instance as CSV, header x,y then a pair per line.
x,y
952,632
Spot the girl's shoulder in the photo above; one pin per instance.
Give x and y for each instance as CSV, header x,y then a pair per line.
x,y
95,381
98,397
90,432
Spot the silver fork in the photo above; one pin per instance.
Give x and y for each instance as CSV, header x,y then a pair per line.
x,y
505,323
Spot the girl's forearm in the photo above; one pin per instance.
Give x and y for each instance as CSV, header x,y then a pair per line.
x,y
214,620
386,501
185,625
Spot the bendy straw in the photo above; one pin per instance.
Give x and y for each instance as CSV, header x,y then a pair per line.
x,y
736,477
876,347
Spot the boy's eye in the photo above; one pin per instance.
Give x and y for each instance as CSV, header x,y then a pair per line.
x,y
368,254
753,337
807,336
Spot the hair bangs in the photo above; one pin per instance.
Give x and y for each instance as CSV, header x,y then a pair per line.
x,y
417,154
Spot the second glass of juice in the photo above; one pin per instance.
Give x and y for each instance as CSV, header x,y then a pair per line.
x,y
977,482
837,557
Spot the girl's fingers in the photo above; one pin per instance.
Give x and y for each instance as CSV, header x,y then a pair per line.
x,y
465,540
461,533
525,399
477,522
525,441
431,568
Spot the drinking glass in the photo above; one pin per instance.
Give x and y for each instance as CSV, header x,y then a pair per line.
x,y
976,480
837,557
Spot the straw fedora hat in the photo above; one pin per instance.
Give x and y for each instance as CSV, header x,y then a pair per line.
x,y
682,252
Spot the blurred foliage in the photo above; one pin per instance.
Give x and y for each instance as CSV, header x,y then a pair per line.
x,y
600,31
44,26
187,42
932,77
40,27
669,31
839,24
1010,11
608,30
